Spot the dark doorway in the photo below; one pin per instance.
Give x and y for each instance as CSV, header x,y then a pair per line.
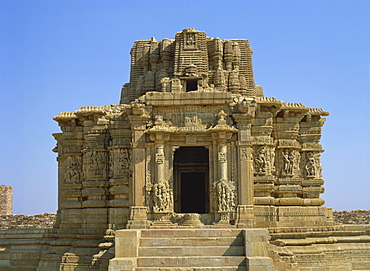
x,y
193,190
191,180
191,85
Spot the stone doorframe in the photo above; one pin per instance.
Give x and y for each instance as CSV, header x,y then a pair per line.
x,y
230,166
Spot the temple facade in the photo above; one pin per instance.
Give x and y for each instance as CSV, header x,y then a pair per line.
x,y
193,142
194,170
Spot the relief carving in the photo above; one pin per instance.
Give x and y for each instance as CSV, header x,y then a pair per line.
x,y
159,158
95,163
312,167
225,193
120,160
73,169
222,157
288,161
190,42
261,160
162,198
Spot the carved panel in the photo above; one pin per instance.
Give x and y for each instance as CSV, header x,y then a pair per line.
x,y
162,197
95,164
72,170
311,164
226,196
120,160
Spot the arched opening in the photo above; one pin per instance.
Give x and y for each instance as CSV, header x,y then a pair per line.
x,y
191,189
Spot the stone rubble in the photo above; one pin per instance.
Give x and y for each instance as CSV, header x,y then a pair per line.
x,y
40,221
352,217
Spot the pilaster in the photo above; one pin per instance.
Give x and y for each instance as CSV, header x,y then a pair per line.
x,y
138,212
245,215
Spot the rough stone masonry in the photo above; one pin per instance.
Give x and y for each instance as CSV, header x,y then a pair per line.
x,y
6,200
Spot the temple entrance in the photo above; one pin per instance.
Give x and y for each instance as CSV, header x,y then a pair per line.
x,y
191,189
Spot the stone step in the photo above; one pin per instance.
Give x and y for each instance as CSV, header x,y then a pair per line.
x,y
195,268
191,233
192,251
192,241
191,261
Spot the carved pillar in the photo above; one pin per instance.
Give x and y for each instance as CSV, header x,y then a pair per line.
x,y
225,197
222,158
245,214
138,213
159,160
161,192
223,188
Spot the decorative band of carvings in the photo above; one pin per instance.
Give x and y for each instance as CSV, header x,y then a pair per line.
x,y
262,140
312,147
288,143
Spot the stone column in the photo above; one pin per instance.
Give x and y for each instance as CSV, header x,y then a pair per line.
x,y
245,214
222,158
138,212
225,197
161,194
159,159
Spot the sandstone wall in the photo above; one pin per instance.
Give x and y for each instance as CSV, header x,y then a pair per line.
x,y
6,199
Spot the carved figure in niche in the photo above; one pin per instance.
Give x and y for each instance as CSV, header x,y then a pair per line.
x,y
204,82
289,159
73,167
95,163
161,198
125,159
119,161
190,39
310,165
245,154
225,196
260,160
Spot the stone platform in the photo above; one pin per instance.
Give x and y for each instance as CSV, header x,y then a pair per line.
x,y
191,249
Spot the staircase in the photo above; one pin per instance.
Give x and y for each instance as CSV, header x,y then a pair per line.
x,y
191,249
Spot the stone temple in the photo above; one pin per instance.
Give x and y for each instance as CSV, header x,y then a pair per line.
x,y
194,169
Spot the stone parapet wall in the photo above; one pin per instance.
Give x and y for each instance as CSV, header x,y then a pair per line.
x,y
6,199
27,221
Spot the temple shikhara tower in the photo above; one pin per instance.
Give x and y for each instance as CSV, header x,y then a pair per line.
x,y
195,169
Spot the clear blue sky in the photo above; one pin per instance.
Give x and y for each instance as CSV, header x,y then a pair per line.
x,y
60,55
